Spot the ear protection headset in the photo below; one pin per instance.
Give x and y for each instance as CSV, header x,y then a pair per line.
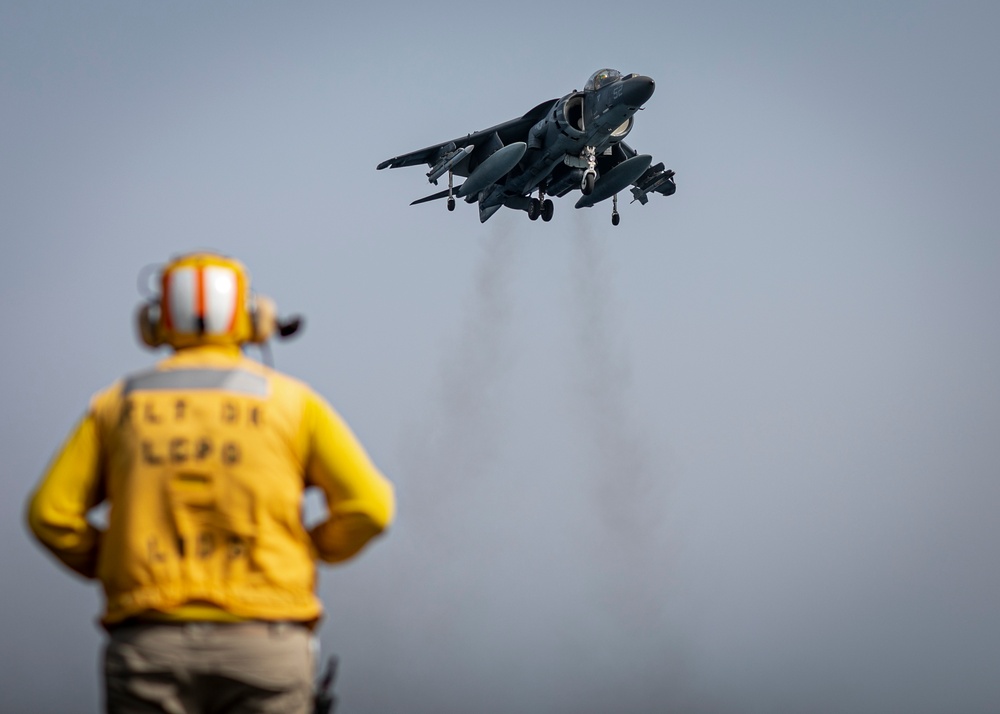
x,y
206,299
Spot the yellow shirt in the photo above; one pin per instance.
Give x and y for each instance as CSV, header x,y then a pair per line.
x,y
204,461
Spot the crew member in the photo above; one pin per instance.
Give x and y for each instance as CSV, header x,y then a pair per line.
x,y
208,572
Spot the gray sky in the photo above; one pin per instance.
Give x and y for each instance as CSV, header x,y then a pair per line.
x,y
739,454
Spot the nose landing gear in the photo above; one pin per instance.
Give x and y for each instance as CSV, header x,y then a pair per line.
x,y
590,174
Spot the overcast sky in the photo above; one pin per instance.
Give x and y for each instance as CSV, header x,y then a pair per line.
x,y
739,454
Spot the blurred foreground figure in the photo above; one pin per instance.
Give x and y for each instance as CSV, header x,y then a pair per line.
x,y
208,571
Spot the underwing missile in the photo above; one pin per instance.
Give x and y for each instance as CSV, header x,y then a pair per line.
x,y
655,179
448,162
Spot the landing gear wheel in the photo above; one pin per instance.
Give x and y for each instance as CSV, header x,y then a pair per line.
x,y
547,210
616,218
451,203
589,179
534,209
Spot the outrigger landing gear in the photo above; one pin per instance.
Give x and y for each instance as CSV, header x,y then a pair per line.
x,y
615,217
451,198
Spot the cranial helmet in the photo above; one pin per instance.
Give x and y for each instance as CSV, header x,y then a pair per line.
x,y
205,299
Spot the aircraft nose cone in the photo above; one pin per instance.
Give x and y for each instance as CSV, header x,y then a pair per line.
x,y
638,90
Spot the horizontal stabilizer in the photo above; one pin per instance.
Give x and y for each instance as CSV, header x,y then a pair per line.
x,y
432,197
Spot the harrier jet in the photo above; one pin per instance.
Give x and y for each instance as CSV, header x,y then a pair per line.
x,y
574,143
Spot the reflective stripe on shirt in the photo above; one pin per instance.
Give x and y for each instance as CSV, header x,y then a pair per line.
x,y
228,380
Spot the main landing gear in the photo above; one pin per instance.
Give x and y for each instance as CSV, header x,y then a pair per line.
x,y
451,198
541,206
615,217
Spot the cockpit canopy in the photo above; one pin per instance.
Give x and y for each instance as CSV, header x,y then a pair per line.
x,y
601,77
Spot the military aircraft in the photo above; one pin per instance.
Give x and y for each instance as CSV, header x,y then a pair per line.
x,y
562,145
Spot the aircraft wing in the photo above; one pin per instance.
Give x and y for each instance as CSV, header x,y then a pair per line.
x,y
509,132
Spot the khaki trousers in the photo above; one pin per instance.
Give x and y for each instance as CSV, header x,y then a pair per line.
x,y
209,668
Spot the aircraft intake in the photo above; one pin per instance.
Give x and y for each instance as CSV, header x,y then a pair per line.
x,y
570,116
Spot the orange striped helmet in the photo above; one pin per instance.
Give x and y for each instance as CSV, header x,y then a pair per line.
x,y
205,299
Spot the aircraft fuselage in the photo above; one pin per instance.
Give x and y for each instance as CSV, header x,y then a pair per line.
x,y
594,118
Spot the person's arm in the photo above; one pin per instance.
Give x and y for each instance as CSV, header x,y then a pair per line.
x,y
57,511
360,499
